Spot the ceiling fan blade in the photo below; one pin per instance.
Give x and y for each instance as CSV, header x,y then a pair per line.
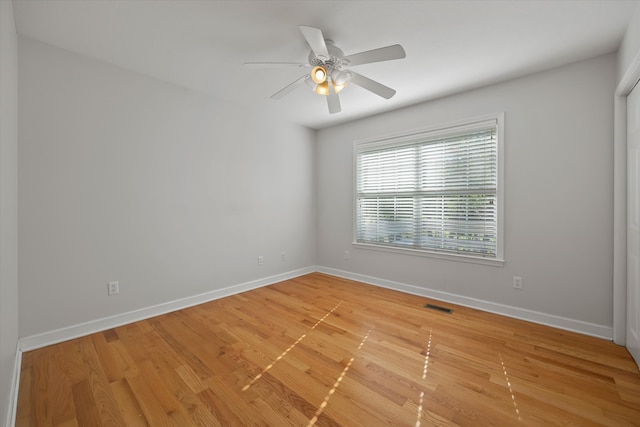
x,y
316,41
377,55
290,87
332,100
372,85
275,65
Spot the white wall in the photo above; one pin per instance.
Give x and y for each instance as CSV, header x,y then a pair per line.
x,y
8,205
170,192
558,180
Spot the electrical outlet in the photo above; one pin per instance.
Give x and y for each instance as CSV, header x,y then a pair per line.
x,y
113,288
346,255
283,257
260,260
517,282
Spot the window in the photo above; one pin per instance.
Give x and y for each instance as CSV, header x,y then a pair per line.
x,y
436,191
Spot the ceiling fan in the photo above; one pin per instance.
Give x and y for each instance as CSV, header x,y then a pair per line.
x,y
329,68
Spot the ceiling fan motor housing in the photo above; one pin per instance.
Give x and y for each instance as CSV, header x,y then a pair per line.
x,y
336,60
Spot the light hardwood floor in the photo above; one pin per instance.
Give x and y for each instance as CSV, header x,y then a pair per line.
x,y
319,350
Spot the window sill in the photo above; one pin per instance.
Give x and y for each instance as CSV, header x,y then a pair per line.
x,y
429,254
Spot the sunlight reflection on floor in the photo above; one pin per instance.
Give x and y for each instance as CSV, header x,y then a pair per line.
x,y
424,376
506,377
284,353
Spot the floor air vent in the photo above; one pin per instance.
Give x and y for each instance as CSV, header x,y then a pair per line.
x,y
438,308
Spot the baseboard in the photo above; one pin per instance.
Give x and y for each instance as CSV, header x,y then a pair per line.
x,y
13,391
586,328
64,334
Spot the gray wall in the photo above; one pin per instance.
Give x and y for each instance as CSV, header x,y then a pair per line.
x,y
558,194
170,192
8,204
630,46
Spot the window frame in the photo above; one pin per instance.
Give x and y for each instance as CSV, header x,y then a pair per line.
x,y
428,133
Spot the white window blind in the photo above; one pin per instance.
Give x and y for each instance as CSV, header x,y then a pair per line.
x,y
435,191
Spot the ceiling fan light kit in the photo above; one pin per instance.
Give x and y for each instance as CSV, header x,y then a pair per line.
x,y
329,73
319,74
323,88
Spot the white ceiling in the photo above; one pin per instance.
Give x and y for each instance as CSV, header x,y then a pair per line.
x,y
451,45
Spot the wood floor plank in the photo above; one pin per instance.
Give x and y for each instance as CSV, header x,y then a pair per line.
x,y
86,407
151,406
130,409
214,405
286,402
101,396
319,350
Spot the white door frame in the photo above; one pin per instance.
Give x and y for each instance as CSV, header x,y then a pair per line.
x,y
624,88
